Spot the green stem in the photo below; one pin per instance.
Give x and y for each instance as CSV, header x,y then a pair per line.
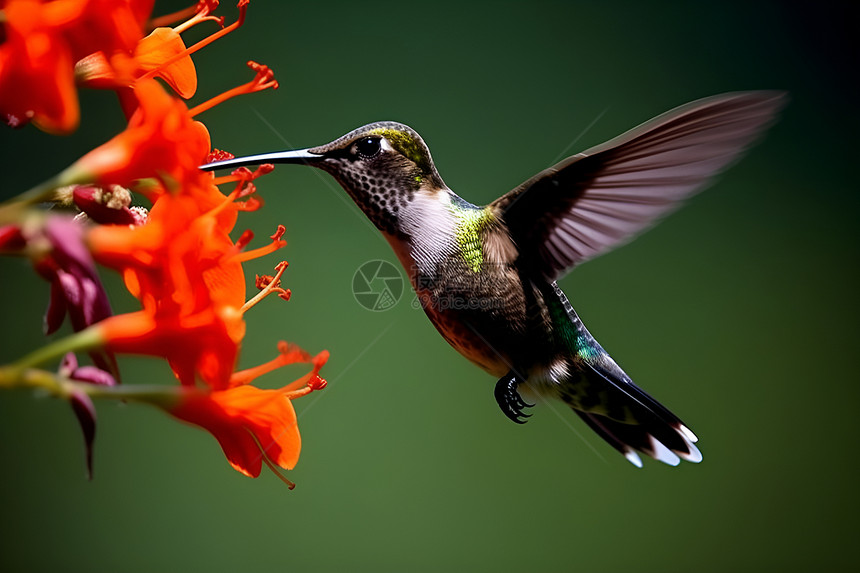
x,y
11,377
84,340
44,192
163,396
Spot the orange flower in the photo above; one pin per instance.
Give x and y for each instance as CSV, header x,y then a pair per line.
x,y
199,344
178,260
150,54
158,47
243,417
160,54
191,285
251,424
43,41
36,78
182,264
106,25
161,140
188,276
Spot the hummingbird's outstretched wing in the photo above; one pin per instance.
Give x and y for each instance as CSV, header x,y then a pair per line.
x,y
600,198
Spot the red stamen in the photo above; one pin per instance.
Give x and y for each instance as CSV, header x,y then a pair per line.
x,y
243,174
204,9
246,238
243,7
263,169
317,383
246,189
277,243
262,81
168,19
277,236
249,204
288,354
273,285
311,381
223,179
277,472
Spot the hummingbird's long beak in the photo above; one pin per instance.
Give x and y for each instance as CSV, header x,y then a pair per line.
x,y
297,156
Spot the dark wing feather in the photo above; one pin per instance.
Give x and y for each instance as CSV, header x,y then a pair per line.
x,y
603,197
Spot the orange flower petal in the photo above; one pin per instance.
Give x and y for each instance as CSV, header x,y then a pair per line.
x,y
161,140
37,83
159,47
199,344
180,266
107,26
244,420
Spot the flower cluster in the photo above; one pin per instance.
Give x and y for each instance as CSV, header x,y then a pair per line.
x,y
177,258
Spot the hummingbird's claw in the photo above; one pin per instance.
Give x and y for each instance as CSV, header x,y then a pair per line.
x,y
509,398
520,403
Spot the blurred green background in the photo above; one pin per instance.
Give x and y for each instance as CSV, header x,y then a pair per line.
x,y
739,312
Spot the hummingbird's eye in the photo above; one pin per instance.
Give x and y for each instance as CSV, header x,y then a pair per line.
x,y
368,146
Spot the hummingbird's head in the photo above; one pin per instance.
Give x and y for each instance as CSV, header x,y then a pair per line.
x,y
381,165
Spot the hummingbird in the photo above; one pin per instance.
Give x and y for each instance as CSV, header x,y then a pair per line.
x,y
486,276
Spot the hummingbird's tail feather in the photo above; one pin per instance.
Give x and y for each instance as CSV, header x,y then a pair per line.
x,y
638,423
632,438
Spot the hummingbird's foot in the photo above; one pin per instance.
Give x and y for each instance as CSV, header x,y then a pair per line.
x,y
509,398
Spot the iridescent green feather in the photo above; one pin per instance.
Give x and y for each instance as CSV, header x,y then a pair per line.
x,y
572,332
406,145
470,226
